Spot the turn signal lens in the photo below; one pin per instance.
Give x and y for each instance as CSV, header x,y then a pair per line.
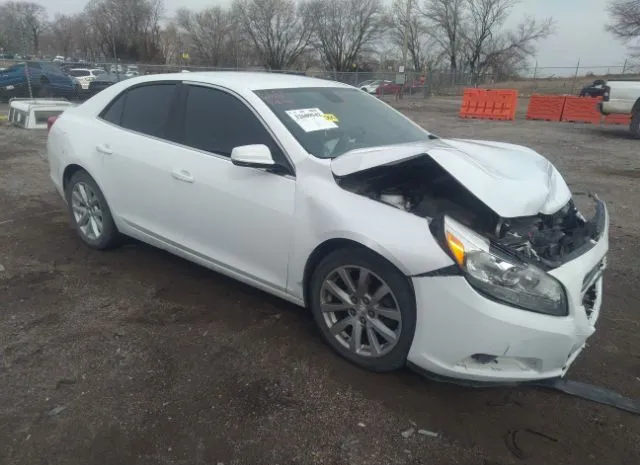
x,y
456,247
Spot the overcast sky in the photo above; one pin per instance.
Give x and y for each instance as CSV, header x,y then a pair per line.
x,y
579,23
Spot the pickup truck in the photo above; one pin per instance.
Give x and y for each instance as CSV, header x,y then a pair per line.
x,y
47,80
623,98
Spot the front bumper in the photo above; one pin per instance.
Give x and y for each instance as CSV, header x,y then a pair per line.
x,y
463,335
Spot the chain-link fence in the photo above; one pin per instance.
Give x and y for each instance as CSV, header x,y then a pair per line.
x,y
387,84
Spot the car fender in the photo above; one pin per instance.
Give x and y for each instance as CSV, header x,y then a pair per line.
x,y
402,238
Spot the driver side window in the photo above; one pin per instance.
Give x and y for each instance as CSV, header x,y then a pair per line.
x,y
216,122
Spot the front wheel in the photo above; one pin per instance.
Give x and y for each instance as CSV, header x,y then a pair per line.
x,y
90,213
634,126
364,307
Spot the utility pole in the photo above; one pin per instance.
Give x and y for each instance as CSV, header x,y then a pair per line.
x,y
406,34
406,43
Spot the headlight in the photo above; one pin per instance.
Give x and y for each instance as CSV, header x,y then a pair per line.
x,y
502,277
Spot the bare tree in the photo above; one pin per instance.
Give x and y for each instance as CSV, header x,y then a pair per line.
x,y
403,18
488,46
127,28
625,20
483,20
62,33
172,43
345,29
33,18
444,20
22,25
208,34
276,28
9,29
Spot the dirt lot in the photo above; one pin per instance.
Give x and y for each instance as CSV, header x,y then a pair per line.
x,y
135,356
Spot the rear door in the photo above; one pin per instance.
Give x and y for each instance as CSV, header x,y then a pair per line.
x,y
138,157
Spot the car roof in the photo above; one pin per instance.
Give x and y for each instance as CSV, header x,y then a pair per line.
x,y
238,80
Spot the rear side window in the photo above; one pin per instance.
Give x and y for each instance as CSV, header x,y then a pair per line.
x,y
147,109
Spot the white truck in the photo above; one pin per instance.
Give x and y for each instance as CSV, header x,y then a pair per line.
x,y
623,98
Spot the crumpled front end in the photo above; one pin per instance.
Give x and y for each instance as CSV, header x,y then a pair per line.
x,y
466,334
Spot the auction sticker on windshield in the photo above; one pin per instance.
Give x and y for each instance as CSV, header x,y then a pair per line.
x,y
311,119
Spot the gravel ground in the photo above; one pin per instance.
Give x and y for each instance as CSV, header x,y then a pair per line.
x,y
135,356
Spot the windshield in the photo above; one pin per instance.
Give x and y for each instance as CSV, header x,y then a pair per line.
x,y
329,121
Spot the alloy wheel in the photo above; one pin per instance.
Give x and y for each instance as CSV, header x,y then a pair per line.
x,y
361,311
87,211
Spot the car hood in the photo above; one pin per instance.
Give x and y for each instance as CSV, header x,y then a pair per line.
x,y
512,180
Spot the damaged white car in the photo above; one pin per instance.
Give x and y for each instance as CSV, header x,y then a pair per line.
x,y
468,260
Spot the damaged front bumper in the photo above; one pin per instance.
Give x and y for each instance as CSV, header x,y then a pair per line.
x,y
462,334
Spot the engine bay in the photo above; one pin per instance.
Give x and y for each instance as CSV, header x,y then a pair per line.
x,y
422,187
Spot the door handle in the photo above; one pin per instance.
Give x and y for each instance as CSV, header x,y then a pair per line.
x,y
183,176
104,148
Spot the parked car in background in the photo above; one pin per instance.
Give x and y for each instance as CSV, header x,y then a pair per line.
x,y
623,98
364,83
103,81
467,259
388,87
85,76
373,86
593,90
47,80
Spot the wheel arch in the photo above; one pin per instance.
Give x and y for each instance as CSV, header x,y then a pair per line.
x,y
73,168
69,171
636,107
329,246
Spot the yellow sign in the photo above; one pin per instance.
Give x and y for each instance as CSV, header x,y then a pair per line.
x,y
330,117
185,56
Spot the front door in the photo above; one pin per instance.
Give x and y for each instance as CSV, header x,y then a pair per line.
x,y
240,218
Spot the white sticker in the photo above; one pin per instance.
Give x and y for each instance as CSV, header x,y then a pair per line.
x,y
311,119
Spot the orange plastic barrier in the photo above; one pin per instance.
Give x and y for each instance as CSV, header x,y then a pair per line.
x,y
617,119
546,107
581,110
497,104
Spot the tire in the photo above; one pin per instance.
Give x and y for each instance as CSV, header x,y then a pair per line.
x,y
634,126
45,90
380,357
108,235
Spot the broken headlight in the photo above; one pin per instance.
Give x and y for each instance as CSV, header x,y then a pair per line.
x,y
501,277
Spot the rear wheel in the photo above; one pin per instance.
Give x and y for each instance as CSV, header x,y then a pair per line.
x,y
364,307
45,89
90,213
634,127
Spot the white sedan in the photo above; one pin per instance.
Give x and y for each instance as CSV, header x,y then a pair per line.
x,y
466,259
84,76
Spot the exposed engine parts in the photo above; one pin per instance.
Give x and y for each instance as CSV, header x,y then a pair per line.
x,y
547,238
420,186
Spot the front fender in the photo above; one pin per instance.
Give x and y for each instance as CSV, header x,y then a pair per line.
x,y
402,238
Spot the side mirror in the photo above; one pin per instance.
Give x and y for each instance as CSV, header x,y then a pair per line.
x,y
254,156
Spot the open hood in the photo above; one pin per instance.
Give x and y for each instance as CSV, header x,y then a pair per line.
x,y
512,180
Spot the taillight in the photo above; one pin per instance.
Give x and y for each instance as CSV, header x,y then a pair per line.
x,y
50,121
